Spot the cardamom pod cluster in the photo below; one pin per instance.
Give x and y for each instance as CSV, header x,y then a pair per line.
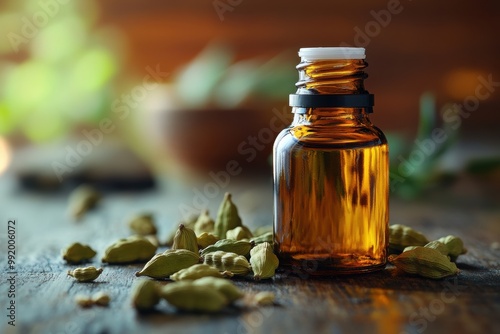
x,y
81,200
454,245
226,261
143,224
198,271
206,239
204,223
78,253
266,237
240,247
263,261
145,295
188,296
426,262
185,238
171,261
227,217
401,236
132,249
87,274
239,233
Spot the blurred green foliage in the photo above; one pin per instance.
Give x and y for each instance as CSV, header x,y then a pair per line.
x,y
56,67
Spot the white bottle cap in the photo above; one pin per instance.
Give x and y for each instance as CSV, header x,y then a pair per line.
x,y
331,53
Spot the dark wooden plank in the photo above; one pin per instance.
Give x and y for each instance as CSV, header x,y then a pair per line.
x,y
380,302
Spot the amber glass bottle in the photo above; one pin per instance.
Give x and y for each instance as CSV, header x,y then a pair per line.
x,y
331,170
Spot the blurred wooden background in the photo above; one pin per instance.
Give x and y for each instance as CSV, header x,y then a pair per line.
x,y
425,45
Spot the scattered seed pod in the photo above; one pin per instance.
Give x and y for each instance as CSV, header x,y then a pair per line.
x,y
224,286
227,217
266,237
204,223
131,249
198,271
239,233
81,200
78,253
185,238
187,296
206,239
87,274
145,295
143,224
264,298
101,299
165,264
263,261
240,247
454,245
225,261
401,236
426,262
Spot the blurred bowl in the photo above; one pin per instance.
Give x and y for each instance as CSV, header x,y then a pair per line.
x,y
208,139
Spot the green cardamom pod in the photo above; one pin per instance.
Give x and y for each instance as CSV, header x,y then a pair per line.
x,y
77,253
224,286
437,245
426,262
185,238
198,271
206,239
264,298
187,223
101,299
84,301
81,200
87,274
401,236
165,264
266,237
227,217
204,223
263,261
226,261
132,249
454,245
187,296
240,247
142,224
145,295
239,233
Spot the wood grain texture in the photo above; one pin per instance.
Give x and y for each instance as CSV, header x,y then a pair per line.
x,y
382,302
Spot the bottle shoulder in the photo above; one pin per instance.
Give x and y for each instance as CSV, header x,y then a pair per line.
x,y
335,138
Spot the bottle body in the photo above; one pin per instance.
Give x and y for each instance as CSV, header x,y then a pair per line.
x,y
331,192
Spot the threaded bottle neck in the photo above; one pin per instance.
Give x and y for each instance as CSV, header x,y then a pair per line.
x,y
332,76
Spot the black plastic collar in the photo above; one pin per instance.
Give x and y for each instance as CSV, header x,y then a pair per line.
x,y
332,100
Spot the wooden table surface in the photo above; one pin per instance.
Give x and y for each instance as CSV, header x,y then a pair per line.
x,y
381,302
